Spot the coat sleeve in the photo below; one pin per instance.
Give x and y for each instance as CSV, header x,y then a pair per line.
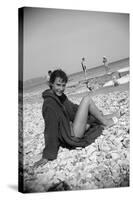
x,y
50,134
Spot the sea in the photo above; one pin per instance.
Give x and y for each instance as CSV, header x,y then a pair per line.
x,y
39,82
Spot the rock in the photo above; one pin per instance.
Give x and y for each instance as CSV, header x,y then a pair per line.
x,y
126,142
90,150
62,186
108,156
115,155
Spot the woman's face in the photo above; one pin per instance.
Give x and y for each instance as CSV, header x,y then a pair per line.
x,y
58,86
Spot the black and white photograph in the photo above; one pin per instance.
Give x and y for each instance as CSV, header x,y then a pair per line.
x,y
74,116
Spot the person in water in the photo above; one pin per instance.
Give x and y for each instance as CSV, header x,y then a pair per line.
x,y
67,124
49,74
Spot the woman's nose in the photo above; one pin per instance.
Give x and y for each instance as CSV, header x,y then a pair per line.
x,y
62,88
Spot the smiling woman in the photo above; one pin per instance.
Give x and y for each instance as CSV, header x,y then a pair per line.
x,y
67,124
57,82
58,86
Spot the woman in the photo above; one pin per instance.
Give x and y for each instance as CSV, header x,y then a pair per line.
x,y
67,124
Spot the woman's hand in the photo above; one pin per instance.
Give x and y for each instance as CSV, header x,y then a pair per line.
x,y
87,127
41,162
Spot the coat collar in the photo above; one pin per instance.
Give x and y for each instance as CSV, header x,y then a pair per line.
x,y
49,93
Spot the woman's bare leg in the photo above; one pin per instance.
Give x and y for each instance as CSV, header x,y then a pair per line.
x,y
80,121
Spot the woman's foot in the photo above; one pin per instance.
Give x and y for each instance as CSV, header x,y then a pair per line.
x,y
116,114
110,122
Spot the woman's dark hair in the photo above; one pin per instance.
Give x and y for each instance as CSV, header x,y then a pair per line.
x,y
58,73
49,72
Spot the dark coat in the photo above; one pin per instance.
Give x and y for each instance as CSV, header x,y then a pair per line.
x,y
58,117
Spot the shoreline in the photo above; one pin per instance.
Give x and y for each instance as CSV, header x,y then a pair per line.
x,y
39,82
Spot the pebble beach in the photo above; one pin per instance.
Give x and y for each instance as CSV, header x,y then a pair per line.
x,y
103,164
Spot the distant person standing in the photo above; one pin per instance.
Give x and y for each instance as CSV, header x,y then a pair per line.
x,y
83,65
105,62
49,74
84,70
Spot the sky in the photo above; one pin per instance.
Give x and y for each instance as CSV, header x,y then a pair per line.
x,y
59,38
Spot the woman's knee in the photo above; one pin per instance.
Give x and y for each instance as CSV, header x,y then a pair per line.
x,y
87,99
